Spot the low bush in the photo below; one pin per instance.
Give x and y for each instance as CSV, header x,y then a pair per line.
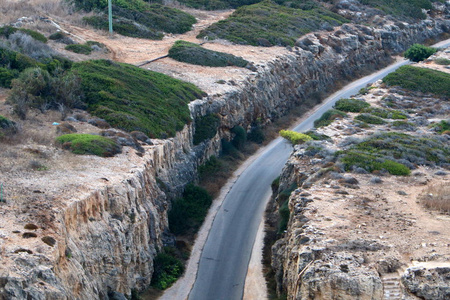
x,y
138,18
209,168
351,105
57,36
240,137
418,52
6,123
79,48
167,269
26,44
317,136
133,99
387,150
89,144
6,31
197,55
385,113
370,119
124,27
205,128
421,80
295,138
442,126
372,163
403,125
187,213
406,9
284,215
37,88
256,135
442,61
269,24
328,117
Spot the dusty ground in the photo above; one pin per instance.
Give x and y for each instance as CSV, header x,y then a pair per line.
x,y
389,212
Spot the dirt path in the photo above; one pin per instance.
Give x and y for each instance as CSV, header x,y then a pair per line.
x,y
135,50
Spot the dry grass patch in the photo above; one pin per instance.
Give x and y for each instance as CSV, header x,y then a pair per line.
x,y
11,11
436,197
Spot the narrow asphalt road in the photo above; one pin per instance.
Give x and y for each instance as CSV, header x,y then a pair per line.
x,y
224,261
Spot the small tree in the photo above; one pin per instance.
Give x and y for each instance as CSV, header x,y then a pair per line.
x,y
418,52
295,137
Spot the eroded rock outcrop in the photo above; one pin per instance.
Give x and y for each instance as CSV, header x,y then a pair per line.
x,y
107,234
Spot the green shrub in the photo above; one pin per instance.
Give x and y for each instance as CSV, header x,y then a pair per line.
x,y
6,76
6,123
167,269
420,79
403,125
205,128
385,113
133,99
442,126
351,105
419,52
209,168
36,88
268,24
79,48
409,9
370,119
317,136
138,18
328,117
187,213
295,137
284,215
124,27
256,135
197,55
408,150
372,163
6,31
240,137
89,144
442,61
57,35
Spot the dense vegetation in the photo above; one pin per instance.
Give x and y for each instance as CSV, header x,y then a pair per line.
x,y
21,49
267,24
418,52
396,152
7,31
295,137
411,9
351,105
89,144
40,89
328,117
420,79
134,99
205,128
187,213
197,55
167,268
138,18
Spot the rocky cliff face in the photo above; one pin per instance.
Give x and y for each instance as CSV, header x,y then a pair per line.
x,y
106,237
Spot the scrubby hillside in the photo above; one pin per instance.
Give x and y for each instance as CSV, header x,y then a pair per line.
x,y
368,206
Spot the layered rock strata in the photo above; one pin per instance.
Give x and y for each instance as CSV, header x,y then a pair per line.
x,y
107,230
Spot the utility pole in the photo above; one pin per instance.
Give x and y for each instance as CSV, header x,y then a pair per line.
x,y
110,17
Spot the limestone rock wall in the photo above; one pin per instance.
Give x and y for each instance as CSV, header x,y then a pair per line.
x,y
107,237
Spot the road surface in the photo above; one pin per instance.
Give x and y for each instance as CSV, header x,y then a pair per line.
x,y
224,261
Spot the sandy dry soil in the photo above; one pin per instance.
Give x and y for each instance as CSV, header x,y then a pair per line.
x,y
389,212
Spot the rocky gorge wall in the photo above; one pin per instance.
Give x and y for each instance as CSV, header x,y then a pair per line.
x,y
107,238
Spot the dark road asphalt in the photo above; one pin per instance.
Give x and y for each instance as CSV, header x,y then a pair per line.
x,y
226,254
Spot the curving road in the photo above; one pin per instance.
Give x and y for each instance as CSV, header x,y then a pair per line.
x,y
224,261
